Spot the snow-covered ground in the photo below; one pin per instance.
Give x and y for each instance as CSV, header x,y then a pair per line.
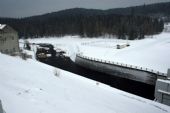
x,y
70,44
28,86
153,52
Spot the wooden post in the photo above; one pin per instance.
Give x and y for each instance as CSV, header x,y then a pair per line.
x,y
1,110
168,74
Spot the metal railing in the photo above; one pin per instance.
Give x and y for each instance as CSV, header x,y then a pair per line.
x,y
93,43
123,65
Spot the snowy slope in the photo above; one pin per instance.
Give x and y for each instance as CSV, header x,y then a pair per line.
x,y
31,87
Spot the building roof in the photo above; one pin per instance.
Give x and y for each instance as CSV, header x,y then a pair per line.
x,y
2,26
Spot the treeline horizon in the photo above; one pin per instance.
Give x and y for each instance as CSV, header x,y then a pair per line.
x,y
131,27
131,23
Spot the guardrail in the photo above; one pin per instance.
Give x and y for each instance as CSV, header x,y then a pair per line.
x,y
105,46
123,65
92,43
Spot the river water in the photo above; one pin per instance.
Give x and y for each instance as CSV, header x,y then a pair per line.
x,y
137,88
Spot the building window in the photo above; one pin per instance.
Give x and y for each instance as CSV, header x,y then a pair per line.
x,y
13,49
6,51
3,40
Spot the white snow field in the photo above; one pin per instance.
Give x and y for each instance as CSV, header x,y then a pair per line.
x,y
153,52
28,86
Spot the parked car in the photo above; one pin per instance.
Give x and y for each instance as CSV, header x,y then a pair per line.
x,y
45,51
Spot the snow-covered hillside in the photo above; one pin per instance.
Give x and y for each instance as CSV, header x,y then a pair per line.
x,y
28,86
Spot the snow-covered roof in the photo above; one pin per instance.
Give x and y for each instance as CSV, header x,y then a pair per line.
x,y
2,26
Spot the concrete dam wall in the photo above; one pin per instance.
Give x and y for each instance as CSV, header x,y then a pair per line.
x,y
120,70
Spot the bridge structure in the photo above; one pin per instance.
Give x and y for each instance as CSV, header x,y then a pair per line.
x,y
136,73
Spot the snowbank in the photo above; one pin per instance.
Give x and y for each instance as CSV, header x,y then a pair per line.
x,y
27,86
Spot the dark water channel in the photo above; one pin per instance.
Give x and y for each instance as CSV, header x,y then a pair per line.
x,y
137,88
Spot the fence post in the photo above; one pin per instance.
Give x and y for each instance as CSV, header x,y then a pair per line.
x,y
168,73
1,110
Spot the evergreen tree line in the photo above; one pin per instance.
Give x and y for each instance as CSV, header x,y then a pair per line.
x,y
122,26
88,26
131,22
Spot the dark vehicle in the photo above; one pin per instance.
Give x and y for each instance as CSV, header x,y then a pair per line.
x,y
45,51
60,52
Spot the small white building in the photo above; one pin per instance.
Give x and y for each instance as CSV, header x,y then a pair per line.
x,y
9,42
167,27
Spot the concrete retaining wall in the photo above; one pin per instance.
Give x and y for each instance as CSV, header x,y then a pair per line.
x,y
162,91
121,70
